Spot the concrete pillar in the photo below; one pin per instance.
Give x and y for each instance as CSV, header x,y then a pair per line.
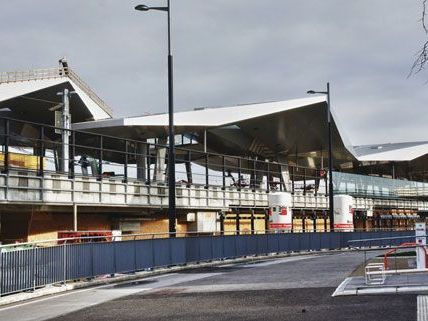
x,y
252,222
259,177
285,174
159,175
221,217
75,217
238,222
141,161
188,166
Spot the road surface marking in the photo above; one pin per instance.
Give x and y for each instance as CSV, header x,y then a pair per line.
x,y
422,307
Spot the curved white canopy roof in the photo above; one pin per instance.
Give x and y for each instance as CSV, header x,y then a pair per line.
x,y
264,129
300,121
40,86
391,152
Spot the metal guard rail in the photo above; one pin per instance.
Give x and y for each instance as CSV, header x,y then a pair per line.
x,y
29,269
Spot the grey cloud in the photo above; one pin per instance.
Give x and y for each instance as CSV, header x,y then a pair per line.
x,y
229,52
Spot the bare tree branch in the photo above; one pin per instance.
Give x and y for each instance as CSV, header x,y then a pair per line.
x,y
424,13
422,55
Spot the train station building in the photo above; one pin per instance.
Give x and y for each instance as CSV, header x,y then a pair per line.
x,y
68,165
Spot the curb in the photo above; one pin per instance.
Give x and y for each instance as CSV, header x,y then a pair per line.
x,y
340,291
379,291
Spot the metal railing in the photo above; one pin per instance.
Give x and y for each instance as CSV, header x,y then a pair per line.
x,y
127,160
74,77
381,187
27,75
29,269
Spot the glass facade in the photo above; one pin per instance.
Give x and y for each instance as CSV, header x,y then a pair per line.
x,y
372,186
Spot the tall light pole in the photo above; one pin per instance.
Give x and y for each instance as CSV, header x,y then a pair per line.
x,y
330,155
171,136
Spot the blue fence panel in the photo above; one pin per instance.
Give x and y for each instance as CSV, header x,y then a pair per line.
x,y
178,250
229,246
241,245
218,247
125,256
79,261
315,241
252,245
406,236
382,234
104,258
205,248
161,252
305,241
293,240
192,249
345,237
273,243
334,241
283,242
48,266
17,269
324,240
29,268
262,244
144,254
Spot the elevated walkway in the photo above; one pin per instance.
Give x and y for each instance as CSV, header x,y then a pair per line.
x,y
19,187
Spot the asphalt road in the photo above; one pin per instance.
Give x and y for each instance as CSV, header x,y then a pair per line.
x,y
296,288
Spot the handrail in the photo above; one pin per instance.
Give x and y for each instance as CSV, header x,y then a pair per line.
x,y
74,77
15,76
275,163
385,238
113,237
196,233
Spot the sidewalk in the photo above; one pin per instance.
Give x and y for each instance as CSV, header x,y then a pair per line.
x,y
394,284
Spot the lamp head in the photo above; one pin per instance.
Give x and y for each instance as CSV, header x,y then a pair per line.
x,y
142,7
311,92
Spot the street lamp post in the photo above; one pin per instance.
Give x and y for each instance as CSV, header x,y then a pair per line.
x,y
171,136
330,155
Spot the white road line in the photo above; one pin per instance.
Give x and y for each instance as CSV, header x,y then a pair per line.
x,y
341,287
422,307
55,296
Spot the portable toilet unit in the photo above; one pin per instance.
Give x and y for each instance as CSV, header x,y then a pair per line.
x,y
280,212
344,213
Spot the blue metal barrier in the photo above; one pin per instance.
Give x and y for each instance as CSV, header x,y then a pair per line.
x,y
31,268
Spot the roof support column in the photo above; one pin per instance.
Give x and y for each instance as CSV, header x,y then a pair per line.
x,y
205,140
141,161
258,175
159,174
65,132
188,166
285,174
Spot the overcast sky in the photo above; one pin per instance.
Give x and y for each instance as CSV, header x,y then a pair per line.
x,y
229,52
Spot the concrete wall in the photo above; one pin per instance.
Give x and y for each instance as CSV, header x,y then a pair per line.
x,y
161,226
14,227
43,225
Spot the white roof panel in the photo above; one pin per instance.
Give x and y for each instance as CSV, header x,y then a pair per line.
x,y
392,152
